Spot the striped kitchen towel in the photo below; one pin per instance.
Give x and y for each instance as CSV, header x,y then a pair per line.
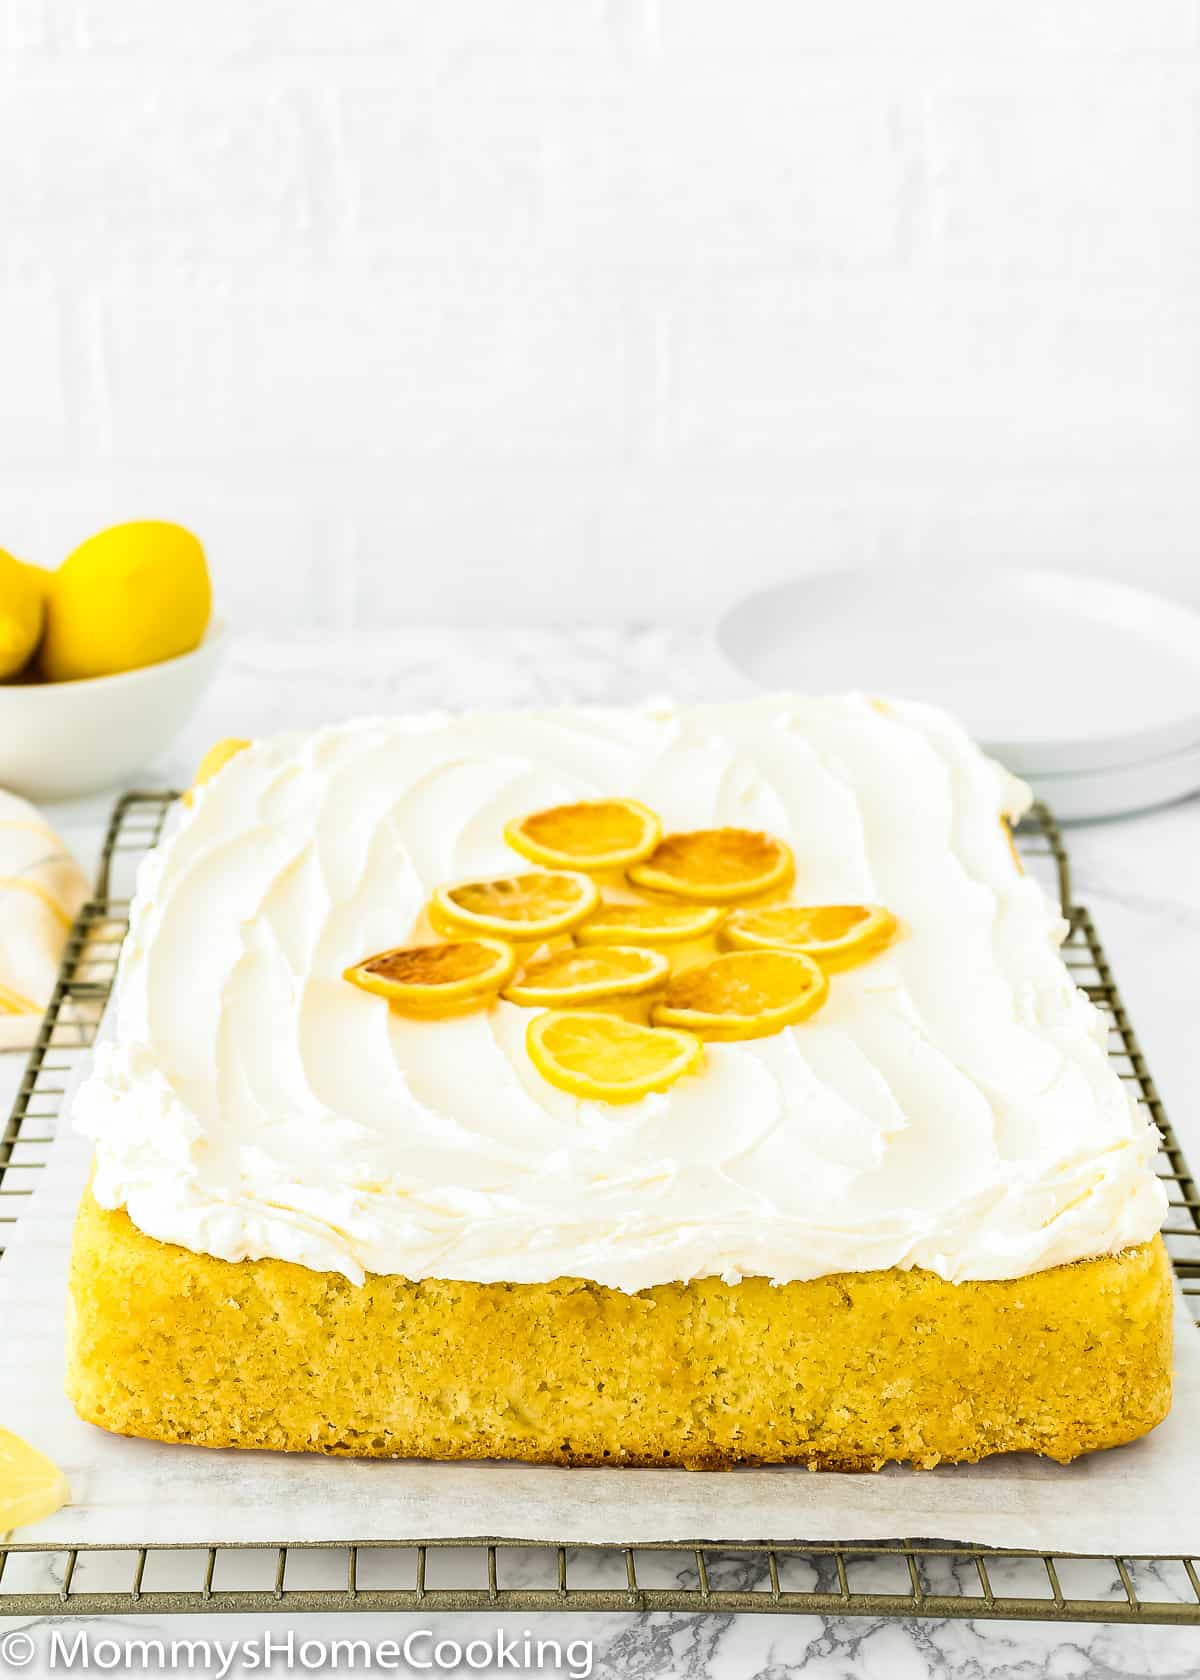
x,y
41,891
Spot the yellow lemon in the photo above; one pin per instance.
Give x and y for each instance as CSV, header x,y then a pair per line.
x,y
22,613
130,596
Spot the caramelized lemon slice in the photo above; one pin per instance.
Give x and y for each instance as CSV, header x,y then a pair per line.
x,y
593,834
648,924
437,979
524,907
837,936
717,865
607,1058
31,1487
747,994
216,758
574,976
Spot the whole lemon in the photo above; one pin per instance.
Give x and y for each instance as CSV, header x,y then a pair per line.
x,y
22,613
130,596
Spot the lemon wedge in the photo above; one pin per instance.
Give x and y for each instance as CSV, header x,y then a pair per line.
x,y
216,758
592,834
529,907
715,865
607,1058
838,936
745,994
433,980
575,976
31,1487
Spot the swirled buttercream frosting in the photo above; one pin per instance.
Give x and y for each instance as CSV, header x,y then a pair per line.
x,y
952,1106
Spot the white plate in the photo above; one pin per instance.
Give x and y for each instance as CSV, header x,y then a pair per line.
x,y
1121,789
1054,673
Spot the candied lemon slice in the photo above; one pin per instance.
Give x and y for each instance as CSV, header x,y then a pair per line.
x,y
573,976
525,907
717,865
837,936
648,924
592,834
745,994
437,979
605,1057
31,1487
216,758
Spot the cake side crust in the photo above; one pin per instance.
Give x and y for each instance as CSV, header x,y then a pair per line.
x,y
849,1371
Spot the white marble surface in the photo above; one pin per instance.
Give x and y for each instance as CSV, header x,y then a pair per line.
x,y
1141,878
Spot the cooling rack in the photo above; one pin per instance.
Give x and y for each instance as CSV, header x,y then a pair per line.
x,y
911,1577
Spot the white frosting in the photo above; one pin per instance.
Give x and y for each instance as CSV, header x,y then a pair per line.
x,y
951,1106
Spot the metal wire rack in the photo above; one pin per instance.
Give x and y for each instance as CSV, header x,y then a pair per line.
x,y
921,1578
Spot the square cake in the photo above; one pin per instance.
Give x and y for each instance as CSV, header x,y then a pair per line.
x,y
874,1198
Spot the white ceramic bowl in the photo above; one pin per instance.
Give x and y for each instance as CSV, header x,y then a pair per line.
x,y
59,740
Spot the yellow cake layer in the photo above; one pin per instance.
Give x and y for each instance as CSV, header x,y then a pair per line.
x,y
848,1371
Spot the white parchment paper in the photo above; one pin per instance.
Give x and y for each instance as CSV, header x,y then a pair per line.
x,y
1133,1500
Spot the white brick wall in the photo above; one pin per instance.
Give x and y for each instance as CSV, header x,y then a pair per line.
x,y
600,308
